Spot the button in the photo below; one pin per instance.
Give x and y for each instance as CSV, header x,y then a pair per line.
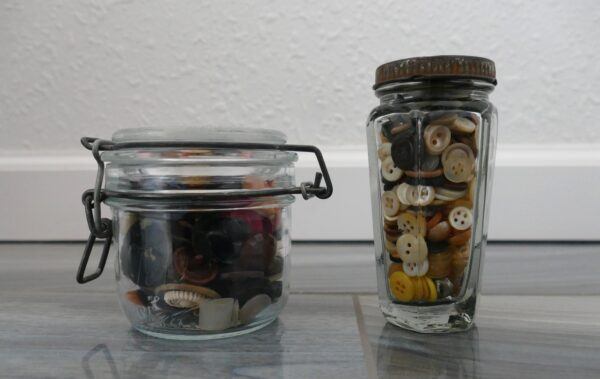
x,y
394,267
472,187
409,223
218,314
460,259
194,268
440,232
390,172
403,153
396,126
401,286
184,295
435,247
254,307
411,269
463,125
434,220
458,169
420,195
456,149
448,194
411,248
460,238
415,269
437,138
401,192
431,289
390,203
429,162
439,264
437,181
444,288
384,151
442,117
390,246
460,218
425,195
424,174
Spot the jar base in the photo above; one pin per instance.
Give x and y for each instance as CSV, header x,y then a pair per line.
x,y
430,320
201,335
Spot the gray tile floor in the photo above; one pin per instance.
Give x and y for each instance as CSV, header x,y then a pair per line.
x,y
538,318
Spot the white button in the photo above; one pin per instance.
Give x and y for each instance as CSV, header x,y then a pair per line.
x,y
437,138
384,151
411,249
390,172
390,203
463,125
409,223
415,268
460,218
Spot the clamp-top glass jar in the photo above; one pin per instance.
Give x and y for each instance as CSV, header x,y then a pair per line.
x,y
431,153
201,226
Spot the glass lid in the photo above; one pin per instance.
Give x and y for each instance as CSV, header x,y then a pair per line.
x,y
200,134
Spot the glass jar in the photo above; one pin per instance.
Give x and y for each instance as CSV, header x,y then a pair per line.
x,y
431,147
201,226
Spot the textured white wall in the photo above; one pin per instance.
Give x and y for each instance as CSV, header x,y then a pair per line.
x,y
73,68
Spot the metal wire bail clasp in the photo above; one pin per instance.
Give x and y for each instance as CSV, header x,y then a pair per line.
x,y
99,227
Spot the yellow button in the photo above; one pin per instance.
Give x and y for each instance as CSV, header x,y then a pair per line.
x,y
401,286
432,289
418,289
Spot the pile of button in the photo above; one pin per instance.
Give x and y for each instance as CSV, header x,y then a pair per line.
x,y
428,175
206,270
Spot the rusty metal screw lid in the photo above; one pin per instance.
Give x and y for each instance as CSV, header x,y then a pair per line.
x,y
436,67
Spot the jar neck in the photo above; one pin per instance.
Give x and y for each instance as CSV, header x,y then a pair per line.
x,y
437,89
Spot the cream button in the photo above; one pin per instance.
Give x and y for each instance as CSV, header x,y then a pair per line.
x,y
384,151
401,192
437,138
411,249
448,194
390,172
463,125
390,203
458,168
409,223
460,218
455,149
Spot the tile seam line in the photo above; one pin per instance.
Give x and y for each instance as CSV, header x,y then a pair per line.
x,y
364,339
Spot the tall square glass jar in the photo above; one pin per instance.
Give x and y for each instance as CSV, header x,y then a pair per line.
x,y
431,147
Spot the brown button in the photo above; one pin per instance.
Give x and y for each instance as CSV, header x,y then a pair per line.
x,y
440,232
460,238
463,125
424,174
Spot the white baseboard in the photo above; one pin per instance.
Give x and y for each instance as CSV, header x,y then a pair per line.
x,y
540,193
